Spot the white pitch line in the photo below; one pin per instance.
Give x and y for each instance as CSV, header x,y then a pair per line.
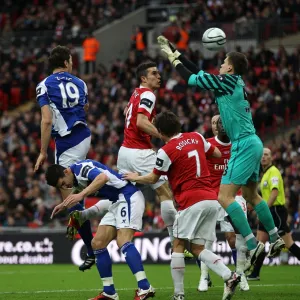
x,y
132,289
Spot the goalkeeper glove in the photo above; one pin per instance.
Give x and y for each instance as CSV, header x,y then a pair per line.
x,y
164,41
166,48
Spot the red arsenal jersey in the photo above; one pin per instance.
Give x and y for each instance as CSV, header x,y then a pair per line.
x,y
217,166
183,160
142,101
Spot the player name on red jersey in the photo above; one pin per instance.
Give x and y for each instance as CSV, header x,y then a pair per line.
x,y
187,169
186,142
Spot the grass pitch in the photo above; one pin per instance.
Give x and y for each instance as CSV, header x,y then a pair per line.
x,y
66,282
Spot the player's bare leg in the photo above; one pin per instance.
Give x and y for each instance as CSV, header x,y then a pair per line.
x,y
168,211
263,213
226,198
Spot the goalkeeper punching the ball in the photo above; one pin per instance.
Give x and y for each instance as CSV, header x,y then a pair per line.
x,y
243,167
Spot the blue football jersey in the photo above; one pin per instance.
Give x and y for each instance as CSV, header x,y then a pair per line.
x,y
85,171
66,95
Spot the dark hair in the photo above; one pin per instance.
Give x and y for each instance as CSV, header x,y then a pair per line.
x,y
58,56
216,113
141,69
54,173
239,62
168,124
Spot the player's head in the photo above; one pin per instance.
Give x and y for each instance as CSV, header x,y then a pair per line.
x,y
214,122
148,75
167,124
221,131
266,159
234,63
60,177
61,58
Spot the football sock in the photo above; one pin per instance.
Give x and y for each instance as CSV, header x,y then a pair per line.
x,y
134,261
198,263
202,266
265,217
104,266
85,230
177,271
241,252
168,213
295,250
204,271
258,264
215,263
233,253
240,221
97,210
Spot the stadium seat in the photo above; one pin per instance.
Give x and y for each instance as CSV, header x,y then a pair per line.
x,y
15,96
4,101
274,124
162,92
287,117
257,70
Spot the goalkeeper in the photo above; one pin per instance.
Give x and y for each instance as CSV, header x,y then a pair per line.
x,y
243,167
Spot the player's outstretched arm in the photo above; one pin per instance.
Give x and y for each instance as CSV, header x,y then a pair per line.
x,y
95,185
46,126
183,59
224,84
150,178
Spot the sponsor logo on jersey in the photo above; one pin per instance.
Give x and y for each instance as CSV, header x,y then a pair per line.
x,y
159,162
146,102
221,166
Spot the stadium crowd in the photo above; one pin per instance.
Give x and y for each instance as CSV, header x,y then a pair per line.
x,y
272,86
59,15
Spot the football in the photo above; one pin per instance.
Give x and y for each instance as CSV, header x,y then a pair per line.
x,y
214,39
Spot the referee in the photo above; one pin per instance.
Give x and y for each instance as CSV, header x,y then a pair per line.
x,y
272,190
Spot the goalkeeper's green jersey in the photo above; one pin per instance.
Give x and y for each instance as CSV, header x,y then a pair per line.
x,y
232,102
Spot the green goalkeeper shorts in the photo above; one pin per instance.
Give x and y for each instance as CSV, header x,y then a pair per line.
x,y
244,162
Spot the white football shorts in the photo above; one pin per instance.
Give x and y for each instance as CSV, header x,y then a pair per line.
x,y
73,147
138,160
126,214
197,223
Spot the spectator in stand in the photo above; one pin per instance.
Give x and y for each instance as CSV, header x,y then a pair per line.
x,y
108,94
139,42
91,47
